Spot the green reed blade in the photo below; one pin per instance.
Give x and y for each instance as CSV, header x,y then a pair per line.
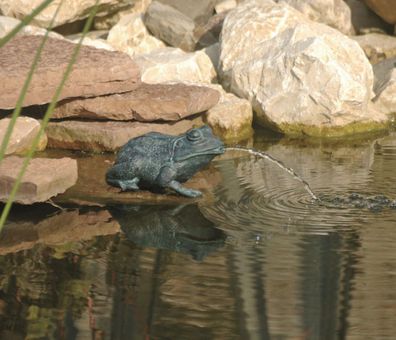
x,y
22,95
25,21
46,118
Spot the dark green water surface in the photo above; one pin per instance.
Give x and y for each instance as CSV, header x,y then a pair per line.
x,y
255,259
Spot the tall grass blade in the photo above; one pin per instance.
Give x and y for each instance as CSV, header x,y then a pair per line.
x,y
22,95
25,21
46,118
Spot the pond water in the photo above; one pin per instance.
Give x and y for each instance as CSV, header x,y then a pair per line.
x,y
258,259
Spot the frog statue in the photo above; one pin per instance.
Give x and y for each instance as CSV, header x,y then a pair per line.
x,y
159,161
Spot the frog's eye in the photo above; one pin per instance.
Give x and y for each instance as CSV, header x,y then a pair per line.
x,y
194,135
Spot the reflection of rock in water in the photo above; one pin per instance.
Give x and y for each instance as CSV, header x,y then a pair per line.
x,y
182,229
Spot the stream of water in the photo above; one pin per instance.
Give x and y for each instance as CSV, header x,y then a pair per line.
x,y
257,258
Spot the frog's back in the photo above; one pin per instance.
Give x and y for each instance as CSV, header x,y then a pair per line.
x,y
151,147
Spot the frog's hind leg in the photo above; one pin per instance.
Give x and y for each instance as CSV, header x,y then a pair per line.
x,y
125,184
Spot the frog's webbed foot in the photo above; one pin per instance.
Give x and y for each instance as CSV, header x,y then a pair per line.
x,y
175,185
125,185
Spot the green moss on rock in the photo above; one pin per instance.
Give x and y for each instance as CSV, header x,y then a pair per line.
x,y
334,131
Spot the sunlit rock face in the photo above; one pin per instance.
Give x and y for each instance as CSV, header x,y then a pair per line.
x,y
300,76
70,11
23,134
130,35
174,65
334,13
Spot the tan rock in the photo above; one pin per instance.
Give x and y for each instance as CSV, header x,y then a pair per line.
x,y
43,179
226,5
130,35
231,119
334,13
72,11
384,8
25,130
96,43
7,24
301,77
377,46
96,72
174,65
107,136
147,103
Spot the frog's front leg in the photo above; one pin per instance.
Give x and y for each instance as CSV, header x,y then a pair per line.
x,y
126,184
166,180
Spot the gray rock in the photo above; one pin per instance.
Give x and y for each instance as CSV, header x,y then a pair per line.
x,y
199,11
96,71
170,25
43,179
385,86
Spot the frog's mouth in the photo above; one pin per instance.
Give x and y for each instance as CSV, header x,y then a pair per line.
x,y
215,151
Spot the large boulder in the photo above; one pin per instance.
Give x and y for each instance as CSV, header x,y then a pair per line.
x,y
384,8
149,102
23,134
43,179
72,11
174,65
108,135
130,35
301,77
334,13
385,86
95,72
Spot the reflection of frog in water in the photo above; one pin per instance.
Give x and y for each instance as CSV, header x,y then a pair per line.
x,y
155,160
182,229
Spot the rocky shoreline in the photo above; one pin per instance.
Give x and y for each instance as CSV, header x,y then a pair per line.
x,y
302,68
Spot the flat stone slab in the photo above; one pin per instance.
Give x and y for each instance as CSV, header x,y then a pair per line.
x,y
43,179
149,102
96,71
109,135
